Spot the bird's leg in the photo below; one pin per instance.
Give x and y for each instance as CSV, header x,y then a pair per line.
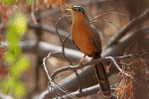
x,y
77,74
82,59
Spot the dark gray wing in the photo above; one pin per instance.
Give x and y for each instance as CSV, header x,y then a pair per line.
x,y
96,39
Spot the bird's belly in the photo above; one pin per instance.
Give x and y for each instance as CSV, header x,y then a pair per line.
x,y
84,43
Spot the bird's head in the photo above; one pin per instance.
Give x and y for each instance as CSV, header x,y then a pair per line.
x,y
76,9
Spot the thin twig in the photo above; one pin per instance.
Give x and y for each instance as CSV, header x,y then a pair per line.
x,y
106,60
63,49
45,67
65,68
52,83
107,13
60,38
118,67
85,92
47,28
134,22
105,21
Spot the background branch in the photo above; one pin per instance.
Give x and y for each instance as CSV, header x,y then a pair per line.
x,y
133,23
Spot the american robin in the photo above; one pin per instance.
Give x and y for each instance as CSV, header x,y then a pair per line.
x,y
86,38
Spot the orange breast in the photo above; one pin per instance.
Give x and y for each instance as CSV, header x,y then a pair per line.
x,y
81,35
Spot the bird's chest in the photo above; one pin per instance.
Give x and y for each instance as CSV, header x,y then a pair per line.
x,y
82,37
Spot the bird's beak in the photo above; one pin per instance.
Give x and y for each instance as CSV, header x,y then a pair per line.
x,y
68,9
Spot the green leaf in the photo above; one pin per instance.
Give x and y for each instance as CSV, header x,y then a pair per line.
x,y
16,62
7,85
11,85
7,1
9,58
19,67
18,24
19,90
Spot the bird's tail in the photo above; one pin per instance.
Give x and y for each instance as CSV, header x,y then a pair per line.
x,y
103,80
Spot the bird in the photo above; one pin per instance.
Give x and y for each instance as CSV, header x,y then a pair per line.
x,y
87,39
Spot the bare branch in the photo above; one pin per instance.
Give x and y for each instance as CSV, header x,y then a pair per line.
x,y
107,13
134,22
47,28
52,83
45,67
118,67
96,61
60,38
85,92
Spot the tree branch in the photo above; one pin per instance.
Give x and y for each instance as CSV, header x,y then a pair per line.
x,y
133,23
70,83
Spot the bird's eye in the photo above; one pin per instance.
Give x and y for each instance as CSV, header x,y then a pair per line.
x,y
79,9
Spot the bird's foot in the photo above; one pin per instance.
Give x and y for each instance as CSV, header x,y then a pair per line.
x,y
82,60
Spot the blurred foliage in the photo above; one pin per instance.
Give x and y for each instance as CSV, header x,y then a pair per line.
x,y
14,1
16,62
30,2
56,3
7,1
